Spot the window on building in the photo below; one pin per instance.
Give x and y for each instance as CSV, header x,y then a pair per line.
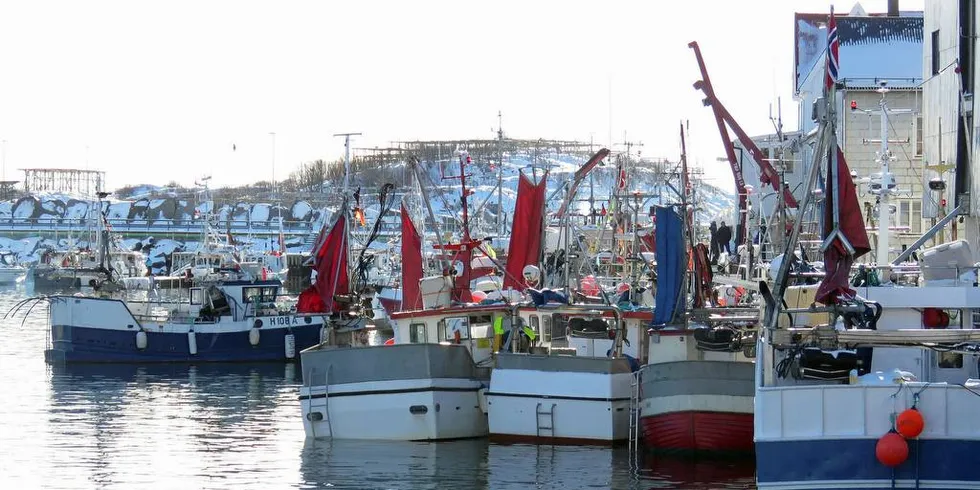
x,y
916,223
910,215
935,52
918,136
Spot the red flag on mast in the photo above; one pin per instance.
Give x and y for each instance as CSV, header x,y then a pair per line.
x,y
330,260
411,264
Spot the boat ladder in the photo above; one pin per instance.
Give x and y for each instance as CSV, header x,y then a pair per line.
x,y
318,407
545,419
634,433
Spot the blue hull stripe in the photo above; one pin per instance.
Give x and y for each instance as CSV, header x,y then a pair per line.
x,y
84,344
851,463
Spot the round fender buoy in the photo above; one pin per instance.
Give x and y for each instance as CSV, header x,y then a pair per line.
x,y
141,340
390,341
253,336
910,423
892,449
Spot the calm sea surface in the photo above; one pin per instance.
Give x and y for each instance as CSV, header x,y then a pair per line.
x,y
238,427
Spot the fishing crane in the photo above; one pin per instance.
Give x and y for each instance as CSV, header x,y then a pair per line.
x,y
767,174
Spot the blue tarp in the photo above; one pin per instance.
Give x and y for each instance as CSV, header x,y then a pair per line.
x,y
670,265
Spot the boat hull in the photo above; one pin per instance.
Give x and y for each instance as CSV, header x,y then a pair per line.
x,y
11,275
406,392
402,410
559,400
850,463
87,344
825,436
698,406
699,431
88,329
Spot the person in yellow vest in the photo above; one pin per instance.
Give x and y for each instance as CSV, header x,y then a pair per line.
x,y
498,333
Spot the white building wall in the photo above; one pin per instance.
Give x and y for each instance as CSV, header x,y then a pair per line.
x,y
940,99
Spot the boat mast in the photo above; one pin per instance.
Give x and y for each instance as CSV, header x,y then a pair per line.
x,y
501,223
346,159
886,189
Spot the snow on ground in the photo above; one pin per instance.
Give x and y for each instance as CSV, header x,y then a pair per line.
x,y
120,210
302,211
260,213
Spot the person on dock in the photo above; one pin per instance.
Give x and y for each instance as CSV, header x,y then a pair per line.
x,y
713,229
724,234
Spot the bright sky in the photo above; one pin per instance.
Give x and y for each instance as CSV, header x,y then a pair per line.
x,y
154,92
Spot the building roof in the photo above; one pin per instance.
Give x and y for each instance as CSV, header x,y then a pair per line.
x,y
871,47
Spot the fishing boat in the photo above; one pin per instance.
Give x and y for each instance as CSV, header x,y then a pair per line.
x,y
696,390
213,312
429,384
882,391
552,394
10,271
77,268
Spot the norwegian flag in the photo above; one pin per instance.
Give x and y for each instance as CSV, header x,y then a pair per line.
x,y
833,48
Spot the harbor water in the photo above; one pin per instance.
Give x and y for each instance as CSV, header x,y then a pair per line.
x,y
237,426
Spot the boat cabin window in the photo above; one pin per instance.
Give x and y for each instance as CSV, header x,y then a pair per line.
x,y
481,326
950,360
197,296
545,328
558,325
535,324
259,294
449,327
416,333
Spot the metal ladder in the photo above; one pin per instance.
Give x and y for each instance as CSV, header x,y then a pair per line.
x,y
314,404
550,414
634,433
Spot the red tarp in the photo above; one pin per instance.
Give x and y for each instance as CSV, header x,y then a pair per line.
x,y
525,239
837,262
411,264
330,263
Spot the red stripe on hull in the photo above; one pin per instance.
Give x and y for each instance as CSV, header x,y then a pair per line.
x,y
699,431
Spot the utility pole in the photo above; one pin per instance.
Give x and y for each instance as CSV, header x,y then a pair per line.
x,y
346,158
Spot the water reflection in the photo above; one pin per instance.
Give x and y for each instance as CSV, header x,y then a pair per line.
x,y
394,465
697,473
148,424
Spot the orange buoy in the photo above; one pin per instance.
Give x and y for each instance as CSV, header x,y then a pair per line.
x,y
910,423
892,449
390,341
